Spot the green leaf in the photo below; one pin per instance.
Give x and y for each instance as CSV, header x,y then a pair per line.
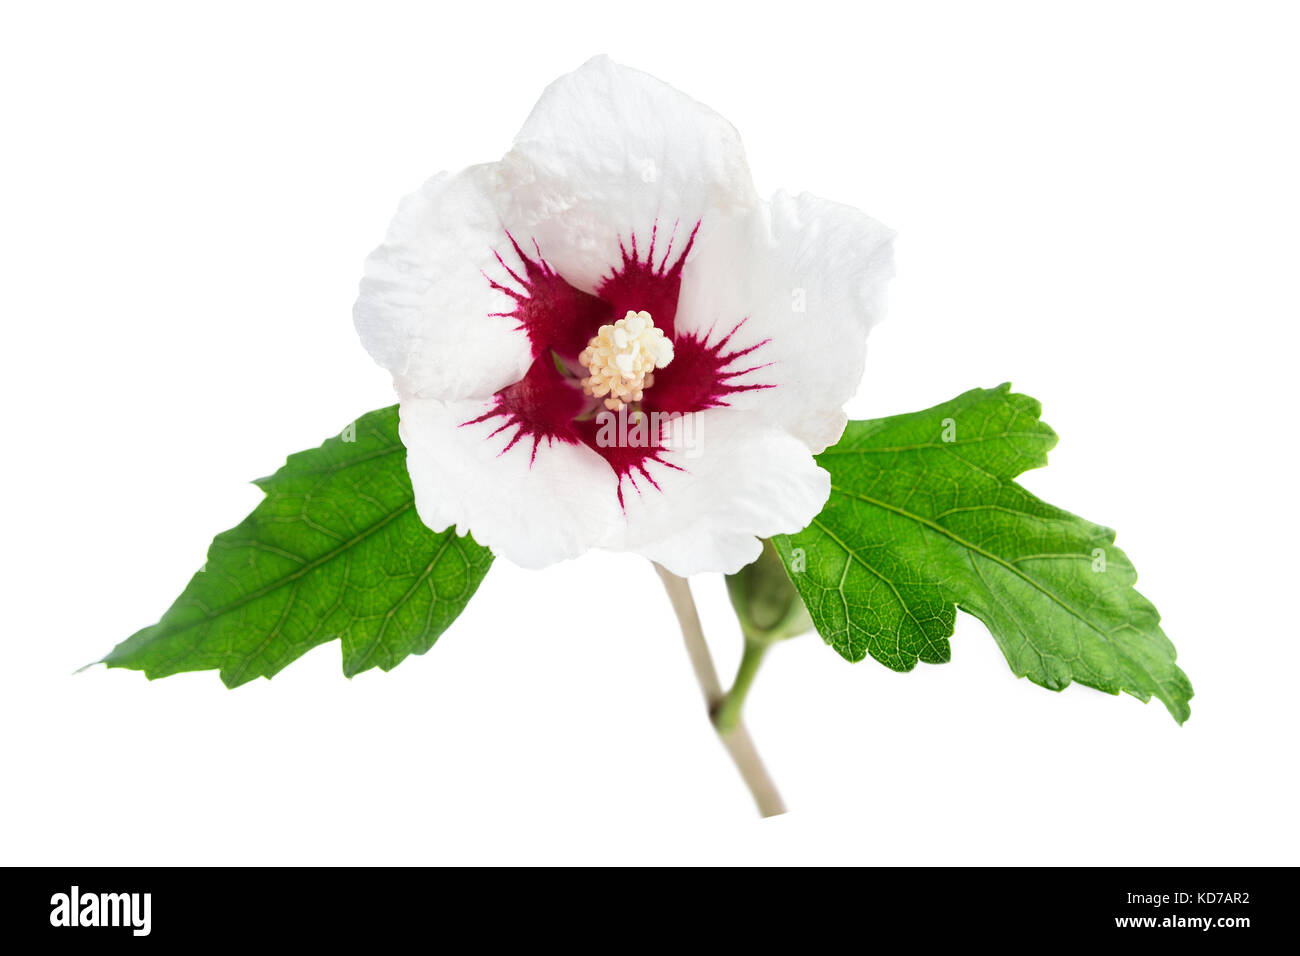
x,y
335,549
923,515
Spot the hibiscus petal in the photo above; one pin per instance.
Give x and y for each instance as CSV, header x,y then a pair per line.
x,y
426,310
533,503
808,276
740,480
610,152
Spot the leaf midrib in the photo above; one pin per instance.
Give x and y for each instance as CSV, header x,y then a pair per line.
x,y
976,549
307,568
957,539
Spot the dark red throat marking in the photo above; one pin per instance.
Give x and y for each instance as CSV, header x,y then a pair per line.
x,y
637,285
560,320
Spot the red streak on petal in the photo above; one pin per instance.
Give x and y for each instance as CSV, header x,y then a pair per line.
x,y
630,455
541,405
700,375
553,313
638,285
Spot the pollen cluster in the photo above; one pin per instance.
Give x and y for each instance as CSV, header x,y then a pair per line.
x,y
621,359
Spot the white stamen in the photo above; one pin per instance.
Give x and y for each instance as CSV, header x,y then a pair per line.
x,y
622,357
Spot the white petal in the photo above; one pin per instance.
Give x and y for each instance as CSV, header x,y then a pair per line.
x,y
609,150
742,480
809,276
534,512
425,307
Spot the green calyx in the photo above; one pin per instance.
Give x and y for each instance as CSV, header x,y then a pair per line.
x,y
766,602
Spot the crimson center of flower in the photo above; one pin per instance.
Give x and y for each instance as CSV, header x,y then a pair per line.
x,y
622,359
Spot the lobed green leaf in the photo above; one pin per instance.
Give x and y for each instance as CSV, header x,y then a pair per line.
x,y
335,550
924,518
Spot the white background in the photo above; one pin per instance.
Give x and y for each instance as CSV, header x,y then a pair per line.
x,y
1096,201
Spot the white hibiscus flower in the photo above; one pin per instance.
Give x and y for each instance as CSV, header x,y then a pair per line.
x,y
608,340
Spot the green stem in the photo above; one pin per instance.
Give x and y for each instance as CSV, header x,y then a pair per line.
x,y
735,741
727,714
